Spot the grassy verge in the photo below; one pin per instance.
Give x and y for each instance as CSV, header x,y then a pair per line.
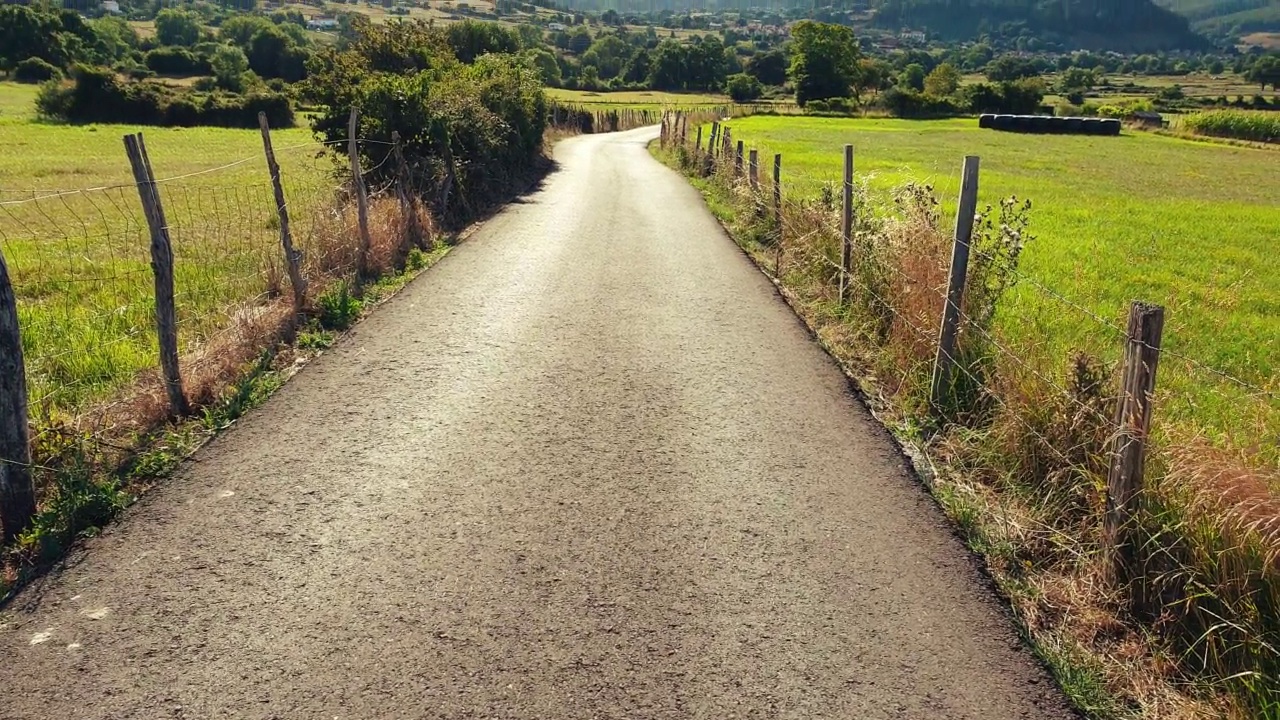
x,y
1019,459
87,481
1183,223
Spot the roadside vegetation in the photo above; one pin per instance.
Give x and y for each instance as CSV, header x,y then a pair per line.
x,y
470,121
1070,231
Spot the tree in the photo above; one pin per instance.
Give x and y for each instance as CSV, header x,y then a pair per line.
x,y
824,61
1265,71
609,54
743,87
545,63
177,27
912,77
240,29
638,67
610,17
667,71
267,48
1010,67
943,81
579,40
1076,79
769,68
229,67
873,75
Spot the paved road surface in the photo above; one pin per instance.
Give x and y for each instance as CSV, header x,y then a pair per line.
x,y
588,467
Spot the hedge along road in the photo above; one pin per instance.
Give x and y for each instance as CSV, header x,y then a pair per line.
x,y
590,466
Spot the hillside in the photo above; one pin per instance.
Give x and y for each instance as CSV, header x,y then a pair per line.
x,y
1121,25
1228,17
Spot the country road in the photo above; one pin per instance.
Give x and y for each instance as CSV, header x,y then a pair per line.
x,y
589,466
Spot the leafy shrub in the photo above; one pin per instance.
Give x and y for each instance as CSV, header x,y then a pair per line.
x,y
339,309
98,96
743,87
470,131
176,61
35,70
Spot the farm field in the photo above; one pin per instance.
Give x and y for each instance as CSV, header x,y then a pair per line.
x,y
72,234
1186,224
635,98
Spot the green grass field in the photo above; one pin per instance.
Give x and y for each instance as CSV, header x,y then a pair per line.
x,y
1186,224
79,262
635,98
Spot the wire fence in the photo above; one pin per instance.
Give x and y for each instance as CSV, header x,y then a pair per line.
x,y
88,274
1122,460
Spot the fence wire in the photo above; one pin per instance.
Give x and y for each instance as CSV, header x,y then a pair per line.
x,y
79,261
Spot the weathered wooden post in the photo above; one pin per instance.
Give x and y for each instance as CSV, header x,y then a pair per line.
x,y
777,214
292,258
737,161
162,269
17,491
944,363
362,195
846,226
1133,425
753,169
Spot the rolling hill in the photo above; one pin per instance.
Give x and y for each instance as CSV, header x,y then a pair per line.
x,y
1228,17
1121,25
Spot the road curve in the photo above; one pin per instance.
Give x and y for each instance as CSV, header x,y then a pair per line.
x,y
590,466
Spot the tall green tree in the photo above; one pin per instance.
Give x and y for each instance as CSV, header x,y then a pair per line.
x,y
824,61
943,81
177,27
770,68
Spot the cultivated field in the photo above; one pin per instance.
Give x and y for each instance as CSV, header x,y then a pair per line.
x,y
1186,224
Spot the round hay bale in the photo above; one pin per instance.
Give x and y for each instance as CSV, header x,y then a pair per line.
x,y
1092,126
985,121
1111,126
1073,125
1002,122
1020,123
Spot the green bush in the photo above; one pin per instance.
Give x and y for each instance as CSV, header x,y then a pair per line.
x,y
98,96
743,88
35,70
470,132
176,61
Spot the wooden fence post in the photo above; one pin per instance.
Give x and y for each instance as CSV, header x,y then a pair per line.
x,y
17,493
711,142
944,362
292,258
777,214
753,168
846,226
697,146
737,161
362,195
1133,423
162,269
408,199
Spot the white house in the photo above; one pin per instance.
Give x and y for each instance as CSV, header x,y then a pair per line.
x,y
111,6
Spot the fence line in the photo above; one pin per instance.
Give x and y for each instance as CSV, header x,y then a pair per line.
x,y
826,226
226,257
